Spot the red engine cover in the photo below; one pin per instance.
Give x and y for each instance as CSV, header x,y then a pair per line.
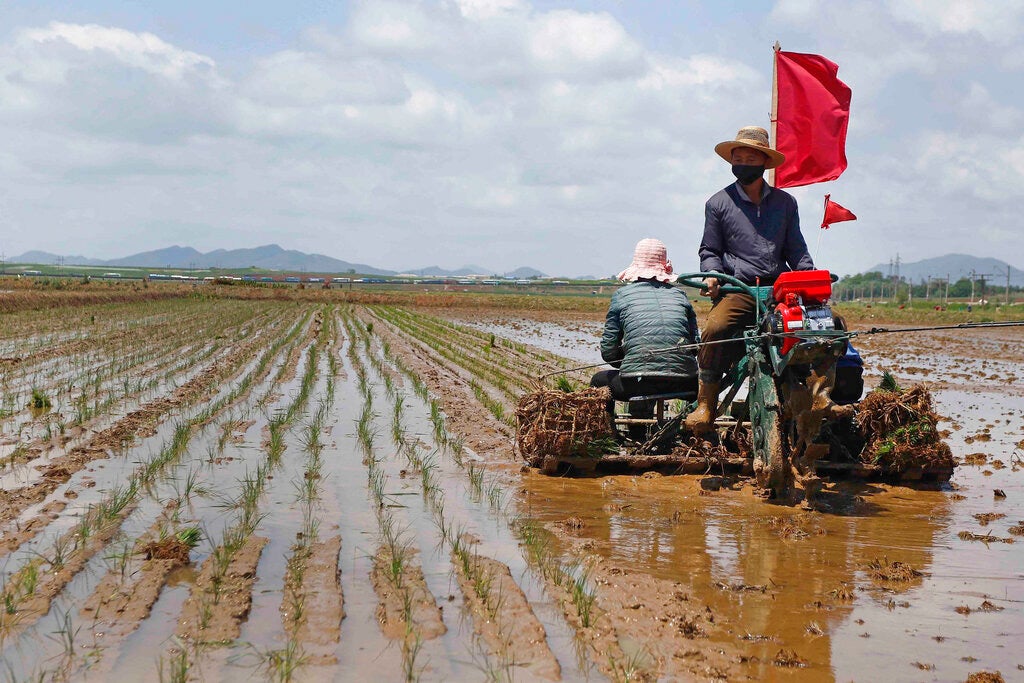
x,y
813,286
791,317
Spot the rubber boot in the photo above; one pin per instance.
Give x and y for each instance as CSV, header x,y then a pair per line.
x,y
820,383
702,419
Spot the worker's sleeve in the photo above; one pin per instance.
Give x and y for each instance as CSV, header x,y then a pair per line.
x,y
795,251
712,245
611,340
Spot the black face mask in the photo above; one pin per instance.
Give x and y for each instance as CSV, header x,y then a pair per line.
x,y
747,174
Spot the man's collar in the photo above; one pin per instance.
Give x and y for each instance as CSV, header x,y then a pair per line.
x,y
765,191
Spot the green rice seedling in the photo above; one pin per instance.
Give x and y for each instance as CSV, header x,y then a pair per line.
x,y
563,383
284,663
311,437
496,496
190,536
437,420
39,399
476,479
631,668
411,646
174,667
120,559
190,487
428,470
583,596
457,446
377,483
28,579
65,635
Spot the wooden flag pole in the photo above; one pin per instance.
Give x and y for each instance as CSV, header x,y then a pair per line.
x,y
817,247
774,115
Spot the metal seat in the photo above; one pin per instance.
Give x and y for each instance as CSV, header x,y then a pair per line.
x,y
659,406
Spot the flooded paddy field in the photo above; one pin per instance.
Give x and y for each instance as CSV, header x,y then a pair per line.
x,y
816,584
231,489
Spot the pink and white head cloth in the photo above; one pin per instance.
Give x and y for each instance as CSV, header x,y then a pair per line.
x,y
650,260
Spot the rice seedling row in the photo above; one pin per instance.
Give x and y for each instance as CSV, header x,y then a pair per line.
x,y
511,636
102,519
123,432
64,409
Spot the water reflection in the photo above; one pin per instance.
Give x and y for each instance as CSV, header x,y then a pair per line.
x,y
779,576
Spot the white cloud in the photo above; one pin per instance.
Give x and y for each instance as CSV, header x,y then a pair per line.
x,y
981,109
484,10
139,50
996,20
567,43
491,131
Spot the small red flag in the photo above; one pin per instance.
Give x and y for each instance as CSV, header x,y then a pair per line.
x,y
834,213
812,113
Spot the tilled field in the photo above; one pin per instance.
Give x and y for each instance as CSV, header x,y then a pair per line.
x,y
203,489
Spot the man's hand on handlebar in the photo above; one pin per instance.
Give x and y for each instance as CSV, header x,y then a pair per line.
x,y
711,287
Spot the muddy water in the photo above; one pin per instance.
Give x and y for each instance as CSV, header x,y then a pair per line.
x,y
811,591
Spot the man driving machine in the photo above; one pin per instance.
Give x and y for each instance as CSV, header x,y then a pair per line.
x,y
751,232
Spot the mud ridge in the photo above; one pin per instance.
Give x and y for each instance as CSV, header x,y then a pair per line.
x,y
391,609
214,614
320,627
506,621
35,606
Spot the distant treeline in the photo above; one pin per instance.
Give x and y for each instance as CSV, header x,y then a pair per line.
x,y
874,284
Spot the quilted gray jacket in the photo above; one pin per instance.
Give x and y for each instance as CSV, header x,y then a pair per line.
x,y
647,315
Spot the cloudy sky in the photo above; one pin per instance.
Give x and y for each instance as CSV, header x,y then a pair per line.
x,y
496,132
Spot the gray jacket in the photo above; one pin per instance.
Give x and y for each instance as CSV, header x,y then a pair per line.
x,y
648,315
751,241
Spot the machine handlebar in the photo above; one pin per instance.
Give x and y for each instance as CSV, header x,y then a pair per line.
x,y
733,285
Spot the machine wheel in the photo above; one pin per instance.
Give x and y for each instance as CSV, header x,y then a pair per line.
x,y
771,468
771,464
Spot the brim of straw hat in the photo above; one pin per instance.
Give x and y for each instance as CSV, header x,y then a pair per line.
x,y
634,273
775,158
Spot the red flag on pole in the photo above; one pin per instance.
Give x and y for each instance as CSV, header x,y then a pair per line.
x,y
811,116
834,213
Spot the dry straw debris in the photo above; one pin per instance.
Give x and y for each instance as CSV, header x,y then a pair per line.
x,y
894,571
562,424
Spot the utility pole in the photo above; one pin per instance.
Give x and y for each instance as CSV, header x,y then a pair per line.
x,y
945,299
979,276
1007,283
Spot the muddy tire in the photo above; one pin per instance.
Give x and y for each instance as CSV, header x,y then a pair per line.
x,y
771,470
771,464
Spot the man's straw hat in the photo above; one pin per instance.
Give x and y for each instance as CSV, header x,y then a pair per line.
x,y
752,137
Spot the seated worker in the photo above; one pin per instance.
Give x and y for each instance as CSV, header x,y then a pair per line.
x,y
649,314
751,232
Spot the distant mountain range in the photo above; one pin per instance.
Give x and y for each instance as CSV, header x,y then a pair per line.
x,y
956,266
267,257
